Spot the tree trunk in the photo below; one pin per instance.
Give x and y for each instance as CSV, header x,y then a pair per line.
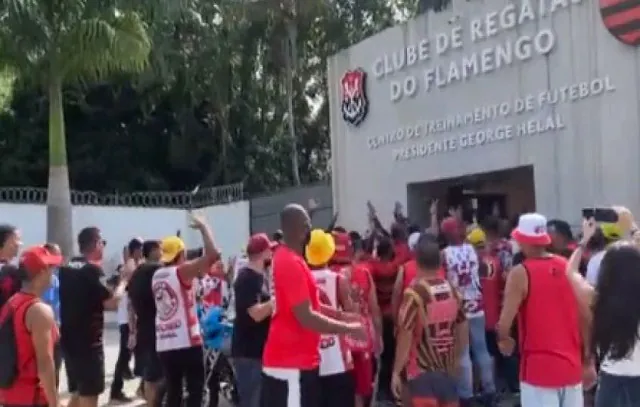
x,y
289,66
59,210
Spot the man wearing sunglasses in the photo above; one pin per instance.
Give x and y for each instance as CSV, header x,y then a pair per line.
x,y
83,300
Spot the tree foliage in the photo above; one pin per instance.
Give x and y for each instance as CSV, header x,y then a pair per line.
x,y
210,106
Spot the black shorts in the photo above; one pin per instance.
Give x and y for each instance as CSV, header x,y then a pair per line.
x,y
290,388
337,390
85,370
151,366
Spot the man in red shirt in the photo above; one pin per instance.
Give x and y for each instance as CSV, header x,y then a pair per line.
x,y
30,324
291,354
539,292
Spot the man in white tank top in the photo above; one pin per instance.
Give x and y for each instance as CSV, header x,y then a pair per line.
x,y
336,363
178,336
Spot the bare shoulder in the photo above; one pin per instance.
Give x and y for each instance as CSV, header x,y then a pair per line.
x,y
38,314
518,272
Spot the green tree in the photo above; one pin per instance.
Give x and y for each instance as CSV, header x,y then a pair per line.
x,y
53,42
211,107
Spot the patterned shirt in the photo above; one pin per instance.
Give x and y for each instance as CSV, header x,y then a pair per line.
x,y
431,311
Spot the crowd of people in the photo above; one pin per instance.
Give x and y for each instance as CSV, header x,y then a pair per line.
x,y
457,314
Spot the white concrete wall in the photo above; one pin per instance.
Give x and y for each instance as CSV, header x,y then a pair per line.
x,y
591,159
229,222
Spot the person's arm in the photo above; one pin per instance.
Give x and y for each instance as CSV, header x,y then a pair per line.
x,y
344,295
376,314
196,267
434,226
573,264
333,223
132,319
109,298
515,292
584,293
378,226
407,316
315,321
299,297
40,323
396,295
248,290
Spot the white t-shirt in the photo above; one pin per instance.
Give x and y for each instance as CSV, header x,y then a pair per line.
x,y
123,314
629,366
593,267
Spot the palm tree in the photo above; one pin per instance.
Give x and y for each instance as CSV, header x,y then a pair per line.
x,y
287,15
56,42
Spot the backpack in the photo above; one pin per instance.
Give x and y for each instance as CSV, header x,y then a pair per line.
x,y
8,343
9,283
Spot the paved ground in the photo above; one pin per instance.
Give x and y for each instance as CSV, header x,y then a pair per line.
x,y
112,337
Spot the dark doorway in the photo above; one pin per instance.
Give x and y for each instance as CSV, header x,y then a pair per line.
x,y
502,193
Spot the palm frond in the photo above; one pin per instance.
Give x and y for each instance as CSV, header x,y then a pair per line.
x,y
23,28
95,47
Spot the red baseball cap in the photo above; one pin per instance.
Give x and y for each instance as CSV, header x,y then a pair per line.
x,y
258,243
37,258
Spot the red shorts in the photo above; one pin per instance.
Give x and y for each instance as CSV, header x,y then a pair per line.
x,y
363,373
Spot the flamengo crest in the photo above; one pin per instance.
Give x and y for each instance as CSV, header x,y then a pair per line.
x,y
355,104
620,18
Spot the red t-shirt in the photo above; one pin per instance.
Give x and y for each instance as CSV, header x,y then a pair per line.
x,y
289,344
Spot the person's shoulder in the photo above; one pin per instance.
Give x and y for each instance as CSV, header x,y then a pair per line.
x,y
559,259
285,257
80,267
146,269
247,277
38,312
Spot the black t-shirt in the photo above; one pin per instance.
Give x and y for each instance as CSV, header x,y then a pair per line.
x,y
249,336
82,297
10,282
143,303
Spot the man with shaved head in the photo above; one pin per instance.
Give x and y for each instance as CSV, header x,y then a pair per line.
x,y
291,355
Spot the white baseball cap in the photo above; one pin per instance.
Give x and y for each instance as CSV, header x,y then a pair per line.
x,y
532,230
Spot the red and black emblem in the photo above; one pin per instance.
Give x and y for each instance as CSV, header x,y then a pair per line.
x,y
355,104
622,19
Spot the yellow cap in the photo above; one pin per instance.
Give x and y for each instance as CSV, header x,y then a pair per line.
x,y
611,231
171,247
476,236
320,248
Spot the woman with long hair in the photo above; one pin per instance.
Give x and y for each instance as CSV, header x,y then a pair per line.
x,y
614,335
